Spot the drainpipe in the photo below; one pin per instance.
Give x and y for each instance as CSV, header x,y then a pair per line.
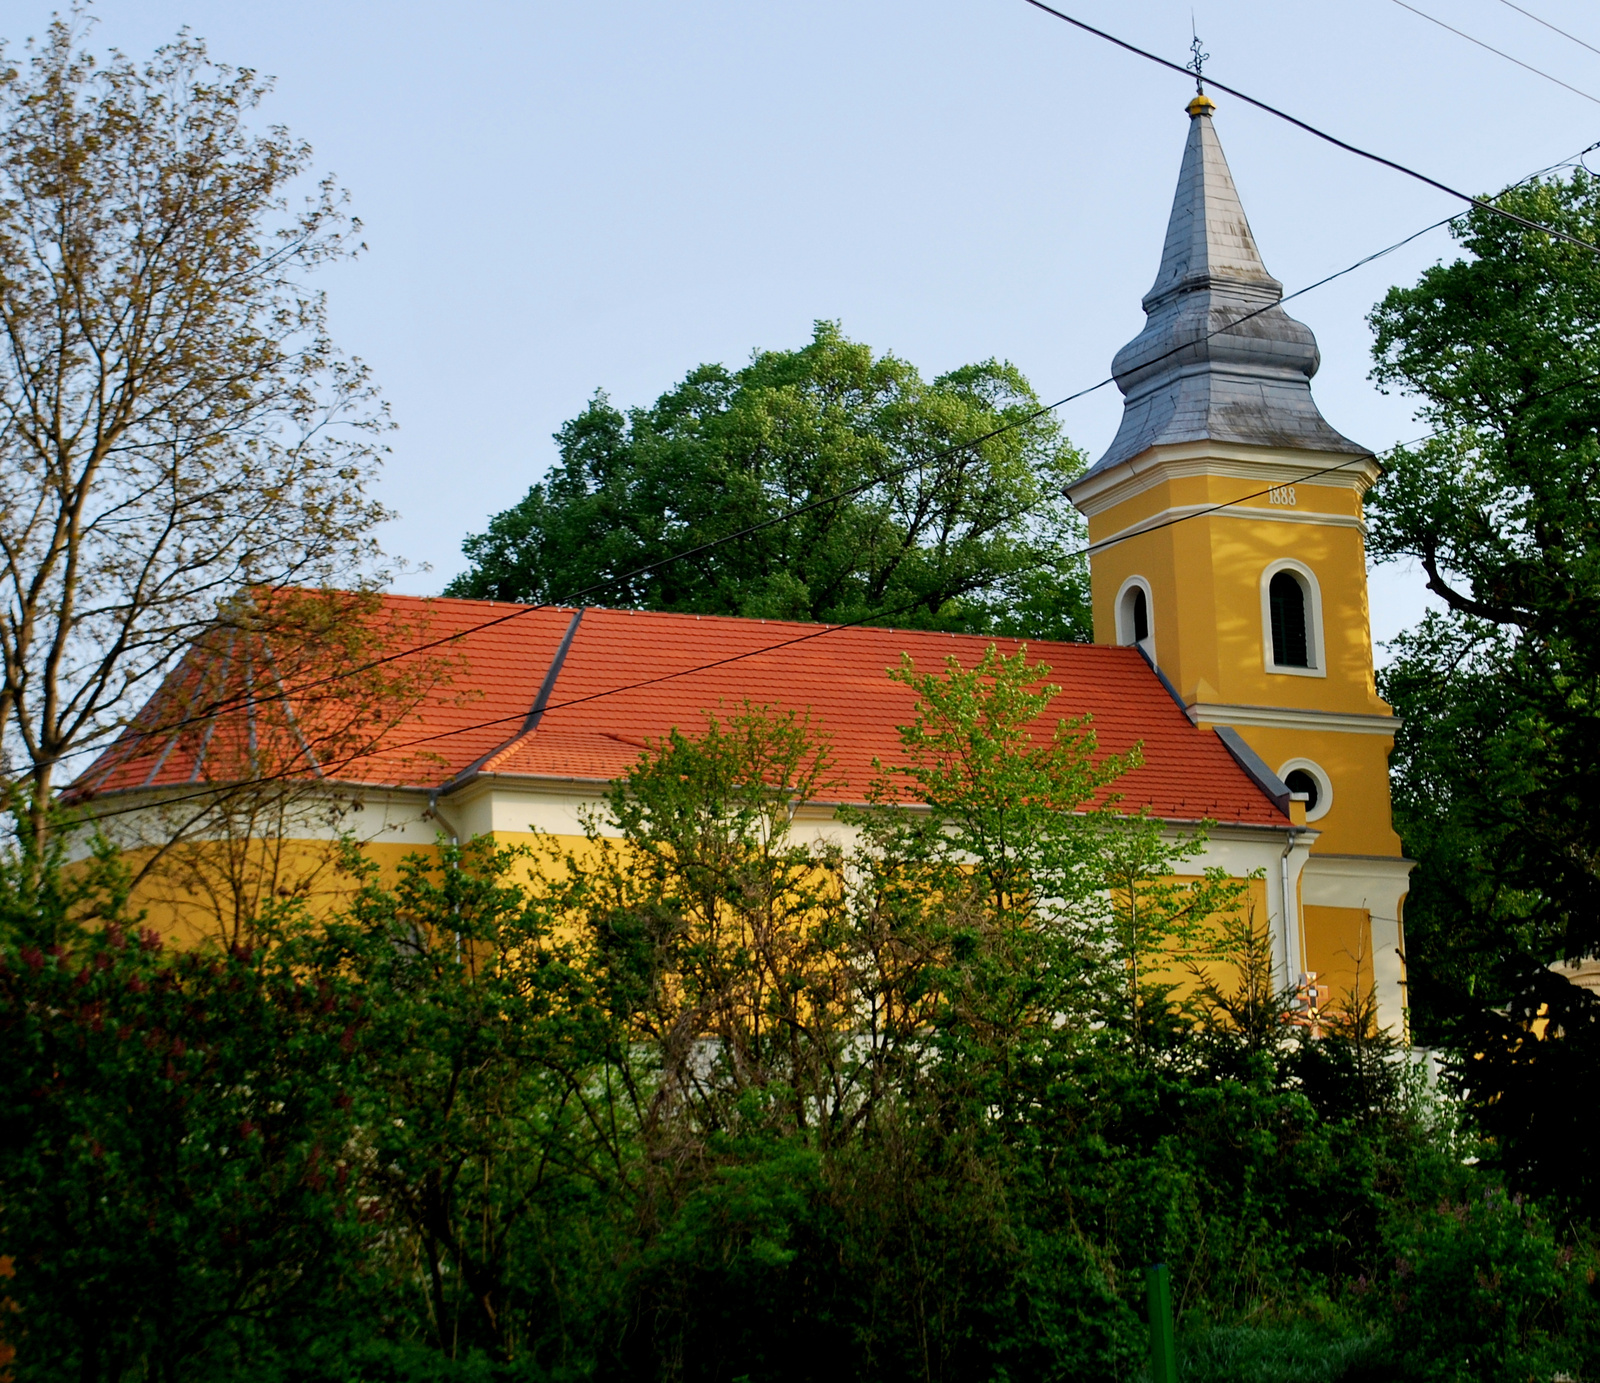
x,y
1293,806
439,816
455,839
1291,921
1296,806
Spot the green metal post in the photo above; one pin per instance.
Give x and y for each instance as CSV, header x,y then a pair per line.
x,y
1158,1296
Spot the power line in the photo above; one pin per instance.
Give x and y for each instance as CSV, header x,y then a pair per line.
x,y
1320,134
789,515
1547,24
578,597
1488,47
284,693
818,633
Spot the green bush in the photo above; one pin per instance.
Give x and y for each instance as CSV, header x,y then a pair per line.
x,y
720,1106
1481,1290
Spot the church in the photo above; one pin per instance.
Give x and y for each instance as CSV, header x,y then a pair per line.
x,y
1232,644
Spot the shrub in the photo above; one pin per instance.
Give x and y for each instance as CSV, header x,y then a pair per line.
x,y
1482,1290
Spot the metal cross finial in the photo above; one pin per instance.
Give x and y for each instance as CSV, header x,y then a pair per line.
x,y
1197,63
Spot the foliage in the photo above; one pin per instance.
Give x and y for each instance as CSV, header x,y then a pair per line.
x,y
1297,1352
1524,1063
476,1098
1500,745
1481,1288
175,1136
175,424
730,1089
930,504
220,856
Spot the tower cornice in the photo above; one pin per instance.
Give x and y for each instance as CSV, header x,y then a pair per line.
x,y
1103,488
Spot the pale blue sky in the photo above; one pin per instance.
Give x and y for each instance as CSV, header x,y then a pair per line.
x,y
560,197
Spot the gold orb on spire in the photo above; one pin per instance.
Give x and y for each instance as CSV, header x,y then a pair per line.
x,y
1201,105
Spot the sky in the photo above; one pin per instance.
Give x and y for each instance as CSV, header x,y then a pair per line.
x,y
559,198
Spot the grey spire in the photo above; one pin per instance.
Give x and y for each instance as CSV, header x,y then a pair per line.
x,y
1251,382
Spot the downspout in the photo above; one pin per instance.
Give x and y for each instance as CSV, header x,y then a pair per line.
x,y
1276,789
455,840
439,816
1294,961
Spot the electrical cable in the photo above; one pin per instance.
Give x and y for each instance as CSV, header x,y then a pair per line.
x,y
800,510
821,632
1489,47
1320,134
577,597
1547,24
285,693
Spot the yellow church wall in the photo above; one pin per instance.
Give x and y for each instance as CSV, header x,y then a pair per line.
x,y
1203,638
204,894
1357,767
1254,906
1210,636
1339,948
205,891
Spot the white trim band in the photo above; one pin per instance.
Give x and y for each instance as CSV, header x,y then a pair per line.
x,y
1280,718
1229,511
1171,461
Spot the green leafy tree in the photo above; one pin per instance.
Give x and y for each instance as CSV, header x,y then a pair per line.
x,y
177,1190
942,518
865,1053
484,1113
1499,754
720,938
733,1089
1166,928
176,424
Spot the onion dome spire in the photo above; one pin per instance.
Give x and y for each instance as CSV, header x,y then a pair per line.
x,y
1250,382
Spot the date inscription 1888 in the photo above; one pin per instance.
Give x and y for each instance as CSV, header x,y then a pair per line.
x,y
1281,494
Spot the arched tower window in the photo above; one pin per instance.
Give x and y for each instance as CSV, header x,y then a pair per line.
x,y
1287,599
1135,622
1291,619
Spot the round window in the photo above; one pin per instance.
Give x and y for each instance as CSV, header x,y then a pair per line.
x,y
1301,781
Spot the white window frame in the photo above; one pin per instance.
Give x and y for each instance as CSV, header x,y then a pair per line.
x,y
1324,785
1124,615
1313,594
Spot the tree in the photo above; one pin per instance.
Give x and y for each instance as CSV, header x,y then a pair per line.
x,y
259,819
175,424
1498,759
721,940
483,1097
937,521
715,1099
175,1141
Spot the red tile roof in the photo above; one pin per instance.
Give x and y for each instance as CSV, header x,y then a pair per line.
x,y
628,677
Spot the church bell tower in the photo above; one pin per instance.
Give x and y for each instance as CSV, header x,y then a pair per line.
x,y
1228,543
